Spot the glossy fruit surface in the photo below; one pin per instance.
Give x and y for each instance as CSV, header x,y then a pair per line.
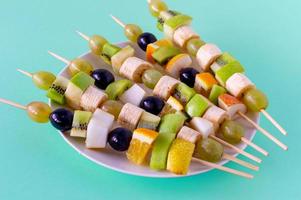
x,y
120,138
187,76
132,32
112,107
144,39
232,132
151,77
102,78
152,104
79,65
96,43
43,80
193,46
61,119
39,111
209,150
255,100
156,6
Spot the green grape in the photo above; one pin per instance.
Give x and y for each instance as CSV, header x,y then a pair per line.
x,y
96,43
43,80
38,112
193,46
112,107
151,77
156,6
232,132
255,100
209,150
132,32
79,65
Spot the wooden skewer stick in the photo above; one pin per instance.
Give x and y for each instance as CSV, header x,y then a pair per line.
x,y
254,146
13,104
118,21
273,121
223,168
64,60
83,35
263,131
240,162
236,149
25,72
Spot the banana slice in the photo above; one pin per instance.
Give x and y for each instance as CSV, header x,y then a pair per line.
x,y
133,68
203,126
183,34
92,98
215,115
165,87
118,59
177,63
129,116
189,134
231,104
133,95
238,83
206,55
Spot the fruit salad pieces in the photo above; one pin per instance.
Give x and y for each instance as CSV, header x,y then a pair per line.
x,y
176,26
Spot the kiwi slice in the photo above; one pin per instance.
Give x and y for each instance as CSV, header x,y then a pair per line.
x,y
177,21
56,91
160,151
149,121
80,123
82,80
196,106
164,53
164,16
183,93
110,50
117,88
224,59
227,71
215,92
171,123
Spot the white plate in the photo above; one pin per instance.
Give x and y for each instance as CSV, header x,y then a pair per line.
x,y
118,161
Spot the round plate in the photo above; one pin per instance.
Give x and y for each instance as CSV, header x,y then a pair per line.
x,y
117,161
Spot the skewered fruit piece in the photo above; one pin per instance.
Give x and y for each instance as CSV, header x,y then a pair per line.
x,y
164,53
38,111
160,151
215,92
215,115
120,138
112,107
145,39
187,76
80,123
132,68
193,45
96,43
79,65
152,104
173,23
204,82
140,145
203,126
61,119
196,106
171,123
76,87
183,34
129,116
132,32
225,72
109,50
133,95
149,121
231,104
151,77
165,87
121,56
221,61
156,7
117,88
102,78
189,134
238,83
57,90
177,63
207,54
92,98
152,47
255,100
179,156
98,129
175,104
209,150
43,80
232,132
183,93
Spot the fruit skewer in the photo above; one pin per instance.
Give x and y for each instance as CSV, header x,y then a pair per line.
x,y
128,63
183,61
181,34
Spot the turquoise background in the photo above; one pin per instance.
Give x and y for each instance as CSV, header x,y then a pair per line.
x,y
36,163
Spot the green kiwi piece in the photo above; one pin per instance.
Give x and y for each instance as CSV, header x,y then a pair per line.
x,y
57,90
183,93
163,54
160,151
80,123
177,21
227,71
82,80
196,106
215,92
171,123
117,88
149,121
110,50
224,59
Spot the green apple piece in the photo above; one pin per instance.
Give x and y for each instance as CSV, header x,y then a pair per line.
x,y
184,93
80,123
164,53
110,50
215,92
56,91
149,121
225,72
171,123
197,106
224,59
177,21
82,80
117,88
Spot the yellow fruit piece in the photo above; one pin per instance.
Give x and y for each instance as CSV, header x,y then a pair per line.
x,y
177,63
175,104
204,81
179,156
150,49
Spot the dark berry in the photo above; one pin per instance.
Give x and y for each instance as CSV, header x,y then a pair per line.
x,y
120,138
61,119
187,76
145,39
152,104
102,78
